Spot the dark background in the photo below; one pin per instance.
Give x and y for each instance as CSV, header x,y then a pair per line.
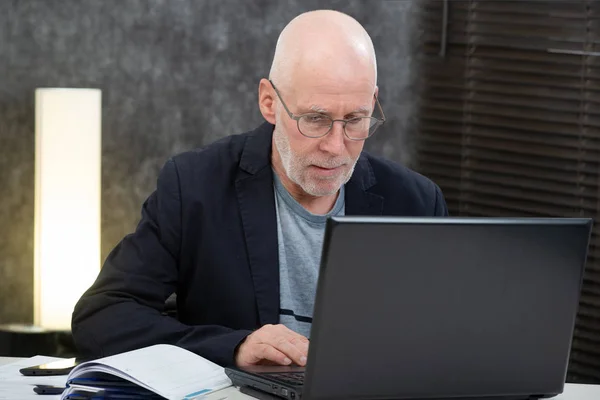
x,y
174,75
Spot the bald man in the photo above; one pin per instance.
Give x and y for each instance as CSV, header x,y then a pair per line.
x,y
236,229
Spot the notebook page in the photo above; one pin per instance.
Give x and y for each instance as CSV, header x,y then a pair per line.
x,y
170,371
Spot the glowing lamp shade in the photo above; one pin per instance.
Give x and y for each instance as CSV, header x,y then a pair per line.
x,y
67,201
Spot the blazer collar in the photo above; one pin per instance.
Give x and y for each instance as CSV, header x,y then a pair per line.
x,y
359,199
256,154
256,201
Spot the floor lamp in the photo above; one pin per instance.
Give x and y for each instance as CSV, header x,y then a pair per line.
x,y
67,214
67,201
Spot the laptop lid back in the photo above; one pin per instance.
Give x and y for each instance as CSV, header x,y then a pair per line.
x,y
448,307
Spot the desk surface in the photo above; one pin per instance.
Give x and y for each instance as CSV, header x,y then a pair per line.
x,y
572,391
8,360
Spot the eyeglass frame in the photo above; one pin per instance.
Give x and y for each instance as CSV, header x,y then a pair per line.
x,y
345,121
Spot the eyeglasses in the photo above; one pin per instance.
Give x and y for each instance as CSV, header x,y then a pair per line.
x,y
316,125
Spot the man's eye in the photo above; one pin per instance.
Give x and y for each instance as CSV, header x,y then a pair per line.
x,y
315,118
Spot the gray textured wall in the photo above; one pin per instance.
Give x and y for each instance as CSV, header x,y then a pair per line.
x,y
175,74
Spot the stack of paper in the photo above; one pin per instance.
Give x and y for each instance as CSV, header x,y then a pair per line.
x,y
155,372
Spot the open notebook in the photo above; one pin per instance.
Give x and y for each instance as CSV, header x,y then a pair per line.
x,y
155,372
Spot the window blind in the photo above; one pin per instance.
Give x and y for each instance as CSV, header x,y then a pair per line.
x,y
510,123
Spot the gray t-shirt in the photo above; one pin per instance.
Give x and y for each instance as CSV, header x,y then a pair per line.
x,y
300,240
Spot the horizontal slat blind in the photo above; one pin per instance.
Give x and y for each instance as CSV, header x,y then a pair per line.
x,y
510,123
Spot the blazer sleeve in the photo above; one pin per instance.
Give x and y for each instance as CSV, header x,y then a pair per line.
x,y
441,208
122,310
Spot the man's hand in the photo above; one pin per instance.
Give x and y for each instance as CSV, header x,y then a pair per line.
x,y
273,344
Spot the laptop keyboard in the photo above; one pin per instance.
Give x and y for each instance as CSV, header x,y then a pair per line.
x,y
291,378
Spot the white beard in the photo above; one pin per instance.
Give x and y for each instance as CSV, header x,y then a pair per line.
x,y
294,165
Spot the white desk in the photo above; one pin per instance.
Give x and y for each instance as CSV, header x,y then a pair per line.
x,y
572,391
8,360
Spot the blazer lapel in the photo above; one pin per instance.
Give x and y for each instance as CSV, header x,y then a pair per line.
x,y
358,200
254,188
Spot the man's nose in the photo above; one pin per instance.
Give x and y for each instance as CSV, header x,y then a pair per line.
x,y
335,141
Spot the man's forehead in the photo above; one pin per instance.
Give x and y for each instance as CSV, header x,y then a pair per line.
x,y
332,87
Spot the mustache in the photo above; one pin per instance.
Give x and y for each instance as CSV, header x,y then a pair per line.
x,y
332,163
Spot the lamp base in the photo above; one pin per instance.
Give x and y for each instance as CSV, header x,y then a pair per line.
x,y
23,340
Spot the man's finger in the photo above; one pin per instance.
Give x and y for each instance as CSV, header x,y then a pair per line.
x,y
301,343
290,333
296,339
268,352
283,344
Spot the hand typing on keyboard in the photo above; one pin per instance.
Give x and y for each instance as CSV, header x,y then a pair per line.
x,y
273,344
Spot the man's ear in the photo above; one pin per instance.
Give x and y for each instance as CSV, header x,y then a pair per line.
x,y
376,94
266,100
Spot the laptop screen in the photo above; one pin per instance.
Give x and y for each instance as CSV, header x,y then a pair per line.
x,y
445,307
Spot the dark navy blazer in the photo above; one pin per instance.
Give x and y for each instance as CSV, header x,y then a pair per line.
x,y
208,233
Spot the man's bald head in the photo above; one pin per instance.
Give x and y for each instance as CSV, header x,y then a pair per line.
x,y
323,44
325,69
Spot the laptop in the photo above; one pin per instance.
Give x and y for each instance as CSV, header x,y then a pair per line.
x,y
438,308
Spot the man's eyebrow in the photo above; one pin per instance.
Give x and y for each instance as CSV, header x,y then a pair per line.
x,y
318,109
360,110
